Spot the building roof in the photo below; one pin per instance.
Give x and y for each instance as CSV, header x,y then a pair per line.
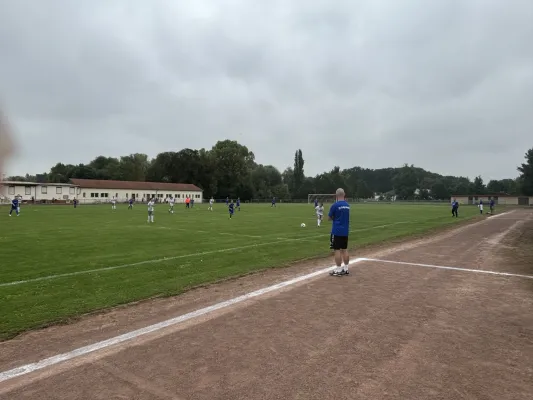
x,y
24,183
134,185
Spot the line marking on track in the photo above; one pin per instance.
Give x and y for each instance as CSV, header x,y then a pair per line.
x,y
478,271
48,362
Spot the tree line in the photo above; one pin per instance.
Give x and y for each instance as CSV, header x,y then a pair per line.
x,y
229,169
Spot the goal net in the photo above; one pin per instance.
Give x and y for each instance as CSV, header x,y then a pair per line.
x,y
321,198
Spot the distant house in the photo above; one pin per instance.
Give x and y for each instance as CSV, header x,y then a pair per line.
x,y
499,198
28,191
91,190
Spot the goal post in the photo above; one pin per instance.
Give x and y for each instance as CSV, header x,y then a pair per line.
x,y
321,197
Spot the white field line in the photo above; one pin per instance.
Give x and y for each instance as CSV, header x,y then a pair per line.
x,y
478,271
164,259
240,234
48,362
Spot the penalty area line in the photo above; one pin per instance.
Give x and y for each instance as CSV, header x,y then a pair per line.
x,y
478,271
50,361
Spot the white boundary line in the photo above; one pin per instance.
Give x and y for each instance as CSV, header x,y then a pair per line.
x,y
48,362
479,271
203,253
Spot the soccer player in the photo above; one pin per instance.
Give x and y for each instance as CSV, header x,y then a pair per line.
x,y
239,203
339,214
319,214
316,203
480,206
455,208
15,207
187,202
130,205
192,203
491,205
113,204
211,201
227,201
151,204
231,209
75,202
171,205
273,202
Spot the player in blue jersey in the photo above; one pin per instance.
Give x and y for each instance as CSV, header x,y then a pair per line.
x,y
15,207
316,203
339,215
239,203
273,202
130,204
455,208
491,205
231,209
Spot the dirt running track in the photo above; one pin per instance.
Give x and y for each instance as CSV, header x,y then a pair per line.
x,y
388,331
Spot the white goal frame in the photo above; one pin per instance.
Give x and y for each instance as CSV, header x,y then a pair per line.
x,y
322,197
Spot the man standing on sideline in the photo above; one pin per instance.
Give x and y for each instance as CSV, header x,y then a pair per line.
x,y
339,214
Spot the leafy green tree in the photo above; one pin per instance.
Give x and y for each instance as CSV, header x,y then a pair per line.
x,y
526,174
363,191
478,187
232,163
298,171
439,191
405,182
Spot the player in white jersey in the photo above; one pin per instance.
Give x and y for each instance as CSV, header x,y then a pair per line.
x,y
151,204
319,214
113,204
211,201
171,202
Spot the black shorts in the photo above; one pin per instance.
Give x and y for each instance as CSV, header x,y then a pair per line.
x,y
338,242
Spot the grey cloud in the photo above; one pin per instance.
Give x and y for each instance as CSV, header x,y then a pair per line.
x,y
446,85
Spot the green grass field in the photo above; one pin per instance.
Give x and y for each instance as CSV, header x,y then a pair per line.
x,y
58,262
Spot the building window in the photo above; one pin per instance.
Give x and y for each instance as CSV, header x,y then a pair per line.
x,y
59,190
83,194
44,189
79,190
94,194
178,196
104,195
11,190
116,195
72,190
27,190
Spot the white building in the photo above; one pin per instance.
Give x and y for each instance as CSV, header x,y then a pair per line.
x,y
98,191
94,191
28,191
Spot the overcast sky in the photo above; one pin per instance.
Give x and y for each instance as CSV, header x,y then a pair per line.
x,y
444,84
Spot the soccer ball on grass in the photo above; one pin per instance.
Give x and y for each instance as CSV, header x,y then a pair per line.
x,y
302,225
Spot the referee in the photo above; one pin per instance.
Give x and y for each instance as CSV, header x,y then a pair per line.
x,y
339,214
